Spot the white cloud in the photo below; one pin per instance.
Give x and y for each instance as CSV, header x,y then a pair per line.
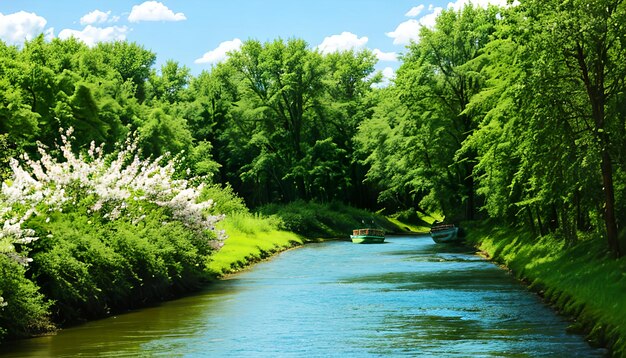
x,y
220,53
95,17
389,73
91,35
20,26
405,32
429,20
385,56
343,42
154,11
415,11
410,29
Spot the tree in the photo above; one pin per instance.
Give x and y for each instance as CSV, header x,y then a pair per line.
x,y
348,101
130,60
279,85
435,83
582,46
172,83
162,133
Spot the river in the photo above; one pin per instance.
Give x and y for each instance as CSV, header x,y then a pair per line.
x,y
407,296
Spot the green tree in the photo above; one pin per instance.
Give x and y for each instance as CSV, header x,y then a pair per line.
x,y
580,49
130,60
162,133
279,85
348,101
434,85
170,86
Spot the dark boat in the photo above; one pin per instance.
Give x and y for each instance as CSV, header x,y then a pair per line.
x,y
444,233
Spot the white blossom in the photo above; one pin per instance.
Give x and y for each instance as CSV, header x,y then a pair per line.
x,y
52,184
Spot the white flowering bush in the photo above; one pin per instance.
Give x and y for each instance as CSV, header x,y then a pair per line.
x,y
106,189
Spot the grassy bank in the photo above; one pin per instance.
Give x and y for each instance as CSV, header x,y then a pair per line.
x,y
581,281
251,238
414,221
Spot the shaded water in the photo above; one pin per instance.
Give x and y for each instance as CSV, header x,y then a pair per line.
x,y
408,296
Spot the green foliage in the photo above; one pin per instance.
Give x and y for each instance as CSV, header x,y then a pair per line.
x,y
413,141
91,267
163,133
171,85
200,161
24,311
6,153
130,60
225,200
294,116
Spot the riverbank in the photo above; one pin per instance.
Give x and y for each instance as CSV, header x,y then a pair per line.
x,y
580,281
251,238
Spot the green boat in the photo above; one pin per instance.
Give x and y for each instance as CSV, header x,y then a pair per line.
x,y
367,236
444,233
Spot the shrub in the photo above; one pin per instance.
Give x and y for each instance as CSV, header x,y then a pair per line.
x,y
23,310
102,233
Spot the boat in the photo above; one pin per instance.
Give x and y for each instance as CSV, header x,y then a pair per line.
x,y
368,236
444,233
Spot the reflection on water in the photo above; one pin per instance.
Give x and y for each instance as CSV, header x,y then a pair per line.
x,y
407,297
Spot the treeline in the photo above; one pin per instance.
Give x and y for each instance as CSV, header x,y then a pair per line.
x,y
516,114
275,121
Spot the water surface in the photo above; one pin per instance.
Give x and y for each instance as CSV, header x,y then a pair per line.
x,y
408,296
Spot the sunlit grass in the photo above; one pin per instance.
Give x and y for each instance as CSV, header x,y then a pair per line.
x,y
409,226
582,280
250,238
414,221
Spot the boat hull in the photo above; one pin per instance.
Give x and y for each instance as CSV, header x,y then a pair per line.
x,y
445,236
367,239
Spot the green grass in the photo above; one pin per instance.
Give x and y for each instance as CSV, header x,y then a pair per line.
x,y
582,281
251,238
414,221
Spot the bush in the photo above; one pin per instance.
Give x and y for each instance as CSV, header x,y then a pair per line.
x,y
225,200
101,234
23,310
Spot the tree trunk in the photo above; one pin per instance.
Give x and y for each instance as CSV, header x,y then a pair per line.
x,y
531,220
470,208
609,203
542,231
597,97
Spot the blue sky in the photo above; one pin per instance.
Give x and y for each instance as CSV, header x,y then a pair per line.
x,y
197,33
